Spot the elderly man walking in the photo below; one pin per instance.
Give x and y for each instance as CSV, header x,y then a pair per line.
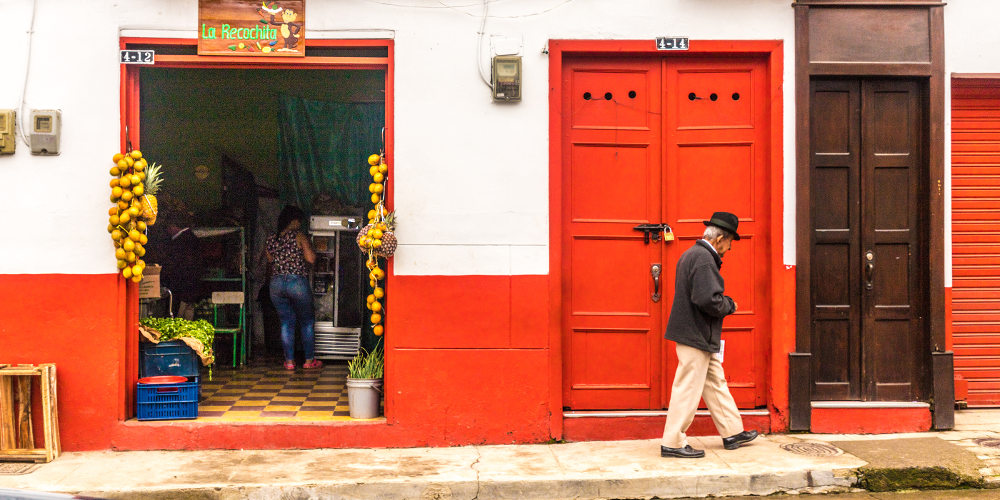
x,y
695,324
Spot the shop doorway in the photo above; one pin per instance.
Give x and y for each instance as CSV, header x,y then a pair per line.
x,y
869,295
648,141
237,141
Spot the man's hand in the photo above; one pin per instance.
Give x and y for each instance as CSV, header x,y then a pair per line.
x,y
735,307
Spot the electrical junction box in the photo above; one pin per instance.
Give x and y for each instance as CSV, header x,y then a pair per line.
x,y
7,138
45,126
506,78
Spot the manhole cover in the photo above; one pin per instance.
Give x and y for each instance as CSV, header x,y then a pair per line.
x,y
812,449
988,442
17,468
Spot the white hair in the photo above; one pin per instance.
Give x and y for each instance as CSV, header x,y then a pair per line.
x,y
713,232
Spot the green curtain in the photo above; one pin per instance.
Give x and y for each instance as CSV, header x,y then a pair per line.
x,y
323,148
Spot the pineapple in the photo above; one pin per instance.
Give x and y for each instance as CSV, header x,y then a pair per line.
x,y
389,242
149,206
386,242
362,238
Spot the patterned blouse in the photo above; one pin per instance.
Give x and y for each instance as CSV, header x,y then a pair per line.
x,y
286,255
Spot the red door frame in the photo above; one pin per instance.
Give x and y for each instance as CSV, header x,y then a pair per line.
x,y
782,283
130,122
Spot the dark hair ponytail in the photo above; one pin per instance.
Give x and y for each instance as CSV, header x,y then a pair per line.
x,y
289,214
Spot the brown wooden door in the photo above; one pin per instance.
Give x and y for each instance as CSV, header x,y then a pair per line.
x,y
868,240
649,141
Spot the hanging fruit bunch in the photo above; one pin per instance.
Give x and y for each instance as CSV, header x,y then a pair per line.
x,y
377,240
133,210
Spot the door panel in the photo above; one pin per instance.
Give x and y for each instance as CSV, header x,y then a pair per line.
x,y
612,167
717,159
725,169
604,180
892,306
835,138
594,369
868,333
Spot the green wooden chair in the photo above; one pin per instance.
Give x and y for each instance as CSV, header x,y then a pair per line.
x,y
238,331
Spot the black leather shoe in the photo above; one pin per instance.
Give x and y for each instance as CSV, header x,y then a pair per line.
x,y
685,452
733,442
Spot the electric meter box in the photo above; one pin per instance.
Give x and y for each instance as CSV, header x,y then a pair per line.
x,y
45,126
506,78
7,138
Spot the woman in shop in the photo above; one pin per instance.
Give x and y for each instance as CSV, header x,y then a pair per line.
x,y
290,255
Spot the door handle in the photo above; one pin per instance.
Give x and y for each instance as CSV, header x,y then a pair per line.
x,y
655,271
869,269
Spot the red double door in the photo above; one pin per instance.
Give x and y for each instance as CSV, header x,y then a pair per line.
x,y
659,141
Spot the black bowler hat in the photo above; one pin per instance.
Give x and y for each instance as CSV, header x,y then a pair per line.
x,y
725,220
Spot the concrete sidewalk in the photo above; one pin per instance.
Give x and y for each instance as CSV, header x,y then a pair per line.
x,y
797,463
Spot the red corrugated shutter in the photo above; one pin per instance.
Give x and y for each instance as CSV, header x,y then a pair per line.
x,y
975,236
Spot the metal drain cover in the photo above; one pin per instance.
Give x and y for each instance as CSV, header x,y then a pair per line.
x,y
8,468
812,449
988,442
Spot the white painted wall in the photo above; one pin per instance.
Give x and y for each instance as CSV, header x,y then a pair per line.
x,y
971,46
471,177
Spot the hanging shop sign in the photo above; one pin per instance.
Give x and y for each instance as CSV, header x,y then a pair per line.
x,y
251,28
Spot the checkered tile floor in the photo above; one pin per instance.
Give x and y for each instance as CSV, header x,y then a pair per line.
x,y
271,393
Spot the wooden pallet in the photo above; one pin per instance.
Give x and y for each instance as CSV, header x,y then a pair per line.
x,y
17,438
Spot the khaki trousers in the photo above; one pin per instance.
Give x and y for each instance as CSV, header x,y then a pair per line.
x,y
699,376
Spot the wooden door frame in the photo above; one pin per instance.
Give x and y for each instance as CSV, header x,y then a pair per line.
x,y
129,134
939,359
773,51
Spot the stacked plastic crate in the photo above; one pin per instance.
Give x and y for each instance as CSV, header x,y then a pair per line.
x,y
168,383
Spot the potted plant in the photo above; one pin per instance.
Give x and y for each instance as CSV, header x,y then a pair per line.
x,y
364,383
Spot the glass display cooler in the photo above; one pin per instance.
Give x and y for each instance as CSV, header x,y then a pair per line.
x,y
337,285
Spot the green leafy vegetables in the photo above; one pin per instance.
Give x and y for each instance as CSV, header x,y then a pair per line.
x,y
172,328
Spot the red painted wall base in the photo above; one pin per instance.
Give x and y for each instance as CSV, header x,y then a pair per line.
x,y
625,428
461,368
870,420
73,321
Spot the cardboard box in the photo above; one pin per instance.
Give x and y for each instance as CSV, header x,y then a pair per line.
x,y
149,287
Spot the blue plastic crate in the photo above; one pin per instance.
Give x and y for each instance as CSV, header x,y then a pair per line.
x,y
167,358
167,401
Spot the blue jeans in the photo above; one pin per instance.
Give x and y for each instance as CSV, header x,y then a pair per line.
x,y
292,297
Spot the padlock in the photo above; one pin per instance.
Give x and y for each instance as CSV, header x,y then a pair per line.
x,y
668,235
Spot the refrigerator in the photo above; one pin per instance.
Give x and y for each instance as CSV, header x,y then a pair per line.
x,y
337,285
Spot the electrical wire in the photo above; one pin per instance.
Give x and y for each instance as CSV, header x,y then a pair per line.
x,y
533,14
27,71
442,6
457,7
123,29
479,45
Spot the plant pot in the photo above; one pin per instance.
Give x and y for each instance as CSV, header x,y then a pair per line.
x,y
364,396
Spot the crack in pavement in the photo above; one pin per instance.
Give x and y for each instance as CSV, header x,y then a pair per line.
x,y
556,458
473,467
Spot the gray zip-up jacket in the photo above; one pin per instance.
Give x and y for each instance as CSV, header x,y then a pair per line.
x,y
699,304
